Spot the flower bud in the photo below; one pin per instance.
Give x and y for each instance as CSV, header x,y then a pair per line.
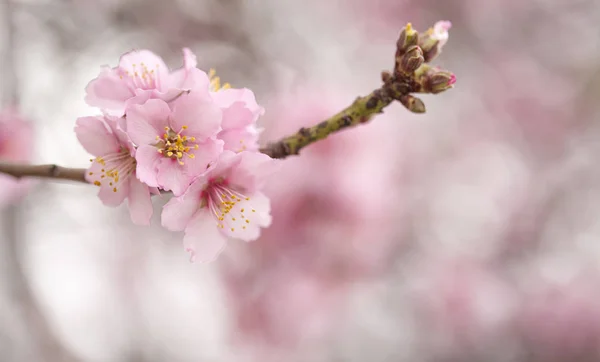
x,y
408,38
434,39
386,76
410,61
412,103
439,81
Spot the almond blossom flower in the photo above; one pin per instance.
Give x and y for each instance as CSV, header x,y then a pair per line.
x,y
440,32
174,146
240,113
142,75
13,131
223,202
114,167
434,39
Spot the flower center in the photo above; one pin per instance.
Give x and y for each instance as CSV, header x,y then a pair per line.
x,y
224,203
215,82
116,167
175,145
142,76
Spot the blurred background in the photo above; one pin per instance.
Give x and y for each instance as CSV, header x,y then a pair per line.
x,y
469,233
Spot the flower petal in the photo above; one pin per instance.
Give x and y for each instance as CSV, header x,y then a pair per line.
x,y
95,135
253,171
189,59
140,202
245,220
178,212
240,139
147,158
108,91
172,176
111,195
207,152
202,238
199,114
136,60
227,97
145,122
223,166
237,116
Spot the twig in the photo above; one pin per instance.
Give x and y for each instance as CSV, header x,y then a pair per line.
x,y
43,171
361,111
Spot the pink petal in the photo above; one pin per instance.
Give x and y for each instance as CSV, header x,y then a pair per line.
x,y
147,158
226,97
198,113
172,176
145,122
189,59
133,61
111,198
253,170
178,212
140,97
140,202
240,139
202,238
108,91
207,152
246,225
197,81
237,116
95,136
224,164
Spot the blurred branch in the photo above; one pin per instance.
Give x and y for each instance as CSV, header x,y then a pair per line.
x,y
43,171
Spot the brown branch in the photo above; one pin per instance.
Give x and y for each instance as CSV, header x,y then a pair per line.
x,y
43,171
361,111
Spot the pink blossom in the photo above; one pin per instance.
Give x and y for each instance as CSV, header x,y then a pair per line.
x,y
114,168
466,308
440,32
15,146
226,201
282,308
142,75
174,146
240,113
562,322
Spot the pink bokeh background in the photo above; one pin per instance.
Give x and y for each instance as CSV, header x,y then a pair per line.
x,y
469,233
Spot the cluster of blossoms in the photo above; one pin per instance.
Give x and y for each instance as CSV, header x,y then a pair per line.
x,y
179,132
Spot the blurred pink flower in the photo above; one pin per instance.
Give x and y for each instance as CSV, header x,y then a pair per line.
x,y
240,113
174,146
114,168
282,309
332,207
15,132
325,204
466,309
562,323
142,75
226,201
